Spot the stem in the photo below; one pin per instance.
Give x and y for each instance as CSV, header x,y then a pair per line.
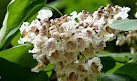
x,y
55,9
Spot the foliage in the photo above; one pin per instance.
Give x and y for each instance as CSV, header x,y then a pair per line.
x,y
125,25
19,56
16,62
16,14
3,8
115,77
15,72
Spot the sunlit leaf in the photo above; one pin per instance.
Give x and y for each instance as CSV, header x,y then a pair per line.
x,y
118,65
129,69
19,55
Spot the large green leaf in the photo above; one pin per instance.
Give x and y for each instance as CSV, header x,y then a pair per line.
x,y
18,12
129,69
3,9
125,25
115,77
19,55
12,72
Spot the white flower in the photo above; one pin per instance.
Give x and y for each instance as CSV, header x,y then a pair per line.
x,y
35,24
24,27
97,61
44,14
136,15
80,16
70,26
123,14
74,14
125,9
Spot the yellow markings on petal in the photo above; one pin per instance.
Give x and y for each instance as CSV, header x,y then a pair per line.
x,y
52,47
105,31
38,64
27,35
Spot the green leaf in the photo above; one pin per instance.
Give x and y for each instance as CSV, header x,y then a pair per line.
x,y
49,68
49,73
57,4
108,63
115,77
12,72
19,55
14,41
125,25
3,9
129,69
18,12
119,57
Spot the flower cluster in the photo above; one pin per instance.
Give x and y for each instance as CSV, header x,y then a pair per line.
x,y
69,41
130,38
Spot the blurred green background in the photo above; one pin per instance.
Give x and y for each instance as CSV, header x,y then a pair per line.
x,y
68,6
